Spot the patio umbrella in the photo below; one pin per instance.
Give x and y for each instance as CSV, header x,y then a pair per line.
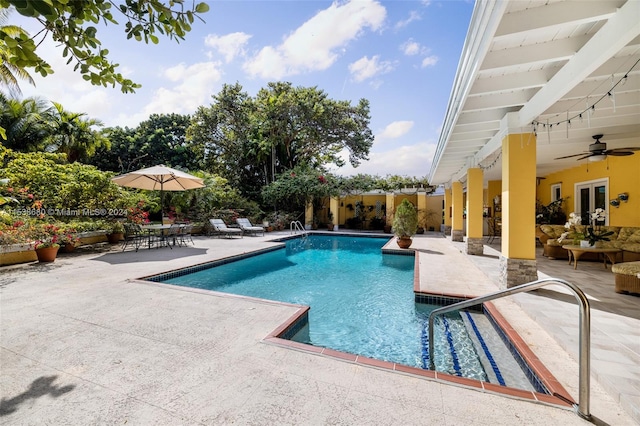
x,y
161,178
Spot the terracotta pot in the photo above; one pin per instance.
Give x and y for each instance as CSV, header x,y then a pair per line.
x,y
69,248
115,238
47,254
330,227
404,242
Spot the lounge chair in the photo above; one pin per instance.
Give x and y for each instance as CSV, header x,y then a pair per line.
x,y
221,228
248,228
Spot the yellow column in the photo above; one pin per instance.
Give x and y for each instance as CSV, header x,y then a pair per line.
x,y
308,215
457,209
518,209
447,211
390,207
334,207
475,198
422,209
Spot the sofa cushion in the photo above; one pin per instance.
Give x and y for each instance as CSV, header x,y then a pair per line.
x,y
553,231
632,247
635,237
626,232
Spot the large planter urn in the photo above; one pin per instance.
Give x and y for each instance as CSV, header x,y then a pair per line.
x,y
47,254
404,242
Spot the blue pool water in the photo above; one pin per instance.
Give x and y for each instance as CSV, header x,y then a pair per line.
x,y
361,300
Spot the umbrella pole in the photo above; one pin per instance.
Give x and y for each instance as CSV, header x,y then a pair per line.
x,y
161,204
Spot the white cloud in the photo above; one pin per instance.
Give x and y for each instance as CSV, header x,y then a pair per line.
x,y
395,130
429,61
405,160
315,44
411,47
413,16
230,45
195,85
365,68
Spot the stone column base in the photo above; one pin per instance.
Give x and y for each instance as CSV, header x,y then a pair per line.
x,y
457,235
447,229
514,272
475,246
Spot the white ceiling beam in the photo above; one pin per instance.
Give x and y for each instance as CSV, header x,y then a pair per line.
x,y
623,27
499,100
510,82
541,53
556,15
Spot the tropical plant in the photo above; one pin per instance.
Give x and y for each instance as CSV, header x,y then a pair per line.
x,y
405,220
47,235
69,23
72,134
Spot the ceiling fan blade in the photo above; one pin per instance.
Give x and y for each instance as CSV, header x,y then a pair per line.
x,y
624,149
619,153
586,156
574,155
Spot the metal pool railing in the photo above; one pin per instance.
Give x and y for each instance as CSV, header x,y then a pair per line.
x,y
296,226
585,330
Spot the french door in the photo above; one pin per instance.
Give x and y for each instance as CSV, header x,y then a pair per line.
x,y
589,196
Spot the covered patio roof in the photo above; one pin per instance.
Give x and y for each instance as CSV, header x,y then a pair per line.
x,y
567,70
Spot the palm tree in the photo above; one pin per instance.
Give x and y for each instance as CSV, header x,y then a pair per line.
x,y
26,123
10,73
73,135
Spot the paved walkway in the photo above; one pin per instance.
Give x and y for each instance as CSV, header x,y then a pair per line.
x,y
81,343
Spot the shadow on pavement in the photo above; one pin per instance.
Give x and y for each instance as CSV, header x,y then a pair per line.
x,y
150,255
40,387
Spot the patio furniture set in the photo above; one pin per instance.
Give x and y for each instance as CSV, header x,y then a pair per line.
x,y
622,250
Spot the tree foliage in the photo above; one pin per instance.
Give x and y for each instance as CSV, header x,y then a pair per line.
x,y
159,140
55,184
250,141
71,24
298,186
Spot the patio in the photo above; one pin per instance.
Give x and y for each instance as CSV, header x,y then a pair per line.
x,y
82,343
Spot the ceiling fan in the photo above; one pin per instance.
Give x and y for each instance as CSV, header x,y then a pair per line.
x,y
598,151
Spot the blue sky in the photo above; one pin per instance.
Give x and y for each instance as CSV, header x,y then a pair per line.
x,y
400,55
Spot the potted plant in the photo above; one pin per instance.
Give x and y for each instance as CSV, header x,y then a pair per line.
x,y
47,244
330,225
405,223
69,240
116,232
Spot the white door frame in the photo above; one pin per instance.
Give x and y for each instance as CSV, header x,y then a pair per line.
x,y
591,184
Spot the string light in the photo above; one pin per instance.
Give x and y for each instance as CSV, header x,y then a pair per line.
x,y
493,163
591,108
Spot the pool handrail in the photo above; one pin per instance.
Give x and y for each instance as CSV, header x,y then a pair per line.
x,y
582,409
296,226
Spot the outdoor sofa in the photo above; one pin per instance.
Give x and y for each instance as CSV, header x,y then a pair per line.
x,y
625,238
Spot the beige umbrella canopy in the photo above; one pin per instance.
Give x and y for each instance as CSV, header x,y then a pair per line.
x,y
161,178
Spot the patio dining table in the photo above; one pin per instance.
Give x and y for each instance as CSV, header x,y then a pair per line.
x,y
159,230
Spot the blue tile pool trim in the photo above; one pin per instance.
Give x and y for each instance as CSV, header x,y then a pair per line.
x,y
439,300
485,349
430,299
207,265
295,327
535,381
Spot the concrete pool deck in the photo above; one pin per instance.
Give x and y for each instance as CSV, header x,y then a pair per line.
x,y
83,343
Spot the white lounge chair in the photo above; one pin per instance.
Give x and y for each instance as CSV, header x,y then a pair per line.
x,y
221,228
248,228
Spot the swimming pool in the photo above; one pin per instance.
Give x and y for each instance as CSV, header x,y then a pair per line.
x,y
361,300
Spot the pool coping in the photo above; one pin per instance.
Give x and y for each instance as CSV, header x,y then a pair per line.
x,y
558,396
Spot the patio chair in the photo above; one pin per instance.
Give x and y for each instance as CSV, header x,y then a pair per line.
x,y
221,228
185,235
133,236
248,228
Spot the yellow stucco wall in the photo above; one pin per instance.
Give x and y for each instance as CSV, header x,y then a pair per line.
x,y
623,174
